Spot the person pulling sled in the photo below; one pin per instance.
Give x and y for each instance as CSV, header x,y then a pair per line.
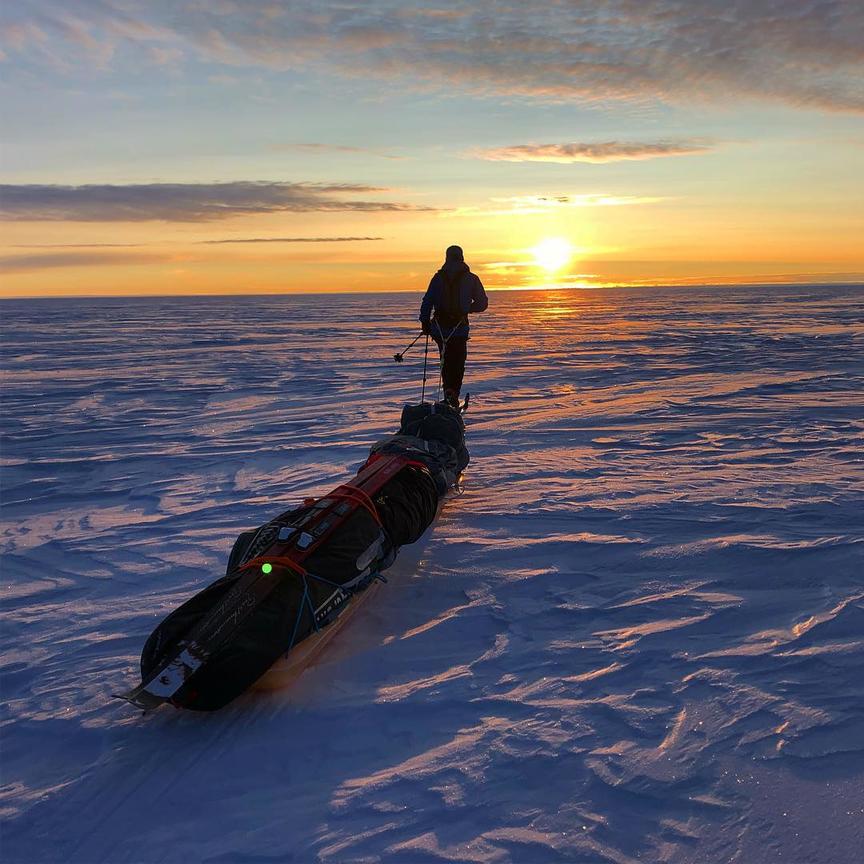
x,y
454,293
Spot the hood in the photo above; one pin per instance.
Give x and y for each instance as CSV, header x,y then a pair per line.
x,y
451,268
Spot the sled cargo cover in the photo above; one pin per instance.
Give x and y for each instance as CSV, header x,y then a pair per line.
x,y
295,574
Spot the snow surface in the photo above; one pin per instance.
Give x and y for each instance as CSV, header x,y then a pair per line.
x,y
637,636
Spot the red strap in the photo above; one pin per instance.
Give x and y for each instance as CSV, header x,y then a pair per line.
x,y
358,496
348,492
274,559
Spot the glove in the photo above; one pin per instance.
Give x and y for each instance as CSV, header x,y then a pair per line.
x,y
425,327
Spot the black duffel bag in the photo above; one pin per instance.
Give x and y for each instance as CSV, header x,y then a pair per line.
x,y
356,550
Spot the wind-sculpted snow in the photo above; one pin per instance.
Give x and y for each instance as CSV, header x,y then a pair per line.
x,y
637,636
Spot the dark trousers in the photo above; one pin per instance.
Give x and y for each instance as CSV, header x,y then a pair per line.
x,y
453,356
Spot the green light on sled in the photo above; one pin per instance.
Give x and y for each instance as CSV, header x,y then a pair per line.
x,y
267,568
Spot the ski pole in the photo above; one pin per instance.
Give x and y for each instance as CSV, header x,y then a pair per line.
x,y
398,357
425,357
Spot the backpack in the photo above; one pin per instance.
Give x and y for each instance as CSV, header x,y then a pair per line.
x,y
449,313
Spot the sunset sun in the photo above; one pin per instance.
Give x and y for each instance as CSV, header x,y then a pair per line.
x,y
553,253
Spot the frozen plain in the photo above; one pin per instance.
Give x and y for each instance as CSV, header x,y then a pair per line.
x,y
637,636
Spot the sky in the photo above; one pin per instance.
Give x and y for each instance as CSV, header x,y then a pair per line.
x,y
219,146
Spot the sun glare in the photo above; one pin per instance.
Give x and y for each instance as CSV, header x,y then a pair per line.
x,y
553,253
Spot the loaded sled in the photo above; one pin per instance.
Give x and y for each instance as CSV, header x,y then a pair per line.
x,y
296,575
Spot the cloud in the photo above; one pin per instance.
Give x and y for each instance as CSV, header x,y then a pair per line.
x,y
805,53
336,148
595,152
293,240
591,199
529,204
77,245
183,202
30,263
197,242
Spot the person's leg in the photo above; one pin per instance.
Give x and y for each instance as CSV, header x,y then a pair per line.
x,y
453,366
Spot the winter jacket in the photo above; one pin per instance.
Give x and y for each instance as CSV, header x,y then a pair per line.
x,y
471,296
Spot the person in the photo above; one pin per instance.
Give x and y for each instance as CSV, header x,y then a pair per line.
x,y
454,293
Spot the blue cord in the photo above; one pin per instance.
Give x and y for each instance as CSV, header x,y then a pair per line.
x,y
306,600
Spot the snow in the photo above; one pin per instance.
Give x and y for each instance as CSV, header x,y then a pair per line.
x,y
637,636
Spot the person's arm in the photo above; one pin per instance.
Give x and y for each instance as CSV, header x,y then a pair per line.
x,y
479,300
426,307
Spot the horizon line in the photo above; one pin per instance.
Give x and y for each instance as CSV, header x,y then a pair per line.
x,y
610,287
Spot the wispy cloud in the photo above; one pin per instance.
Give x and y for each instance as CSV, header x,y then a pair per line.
x,y
184,202
805,53
580,200
77,245
30,263
595,152
196,242
528,204
292,240
315,147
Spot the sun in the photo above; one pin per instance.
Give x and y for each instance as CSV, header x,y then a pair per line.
x,y
553,253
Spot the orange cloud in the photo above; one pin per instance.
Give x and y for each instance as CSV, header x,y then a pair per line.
x,y
31,263
291,240
595,152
